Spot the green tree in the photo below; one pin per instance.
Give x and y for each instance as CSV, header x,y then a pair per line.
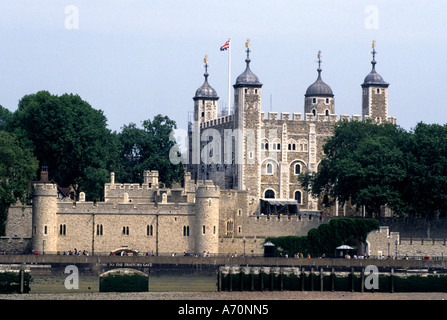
x,y
327,236
68,136
364,164
5,119
425,189
17,167
148,148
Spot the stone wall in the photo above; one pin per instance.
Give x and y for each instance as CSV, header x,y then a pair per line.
x,y
389,244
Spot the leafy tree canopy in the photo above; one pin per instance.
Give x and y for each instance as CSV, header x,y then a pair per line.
x,y
17,167
148,148
327,236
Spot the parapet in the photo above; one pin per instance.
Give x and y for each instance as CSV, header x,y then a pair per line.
x,y
310,117
45,189
217,121
207,189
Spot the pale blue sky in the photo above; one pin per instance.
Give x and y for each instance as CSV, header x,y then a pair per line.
x,y
135,59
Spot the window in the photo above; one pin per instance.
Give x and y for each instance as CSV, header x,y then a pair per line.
x,y
99,229
63,229
269,168
45,229
327,100
149,230
214,229
186,231
269,194
126,231
298,196
378,90
203,229
297,168
326,112
314,112
314,100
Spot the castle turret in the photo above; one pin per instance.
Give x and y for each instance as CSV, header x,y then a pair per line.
x,y
205,100
44,220
247,121
319,99
207,218
375,94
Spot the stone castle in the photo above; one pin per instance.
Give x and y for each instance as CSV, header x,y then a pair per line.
x,y
240,186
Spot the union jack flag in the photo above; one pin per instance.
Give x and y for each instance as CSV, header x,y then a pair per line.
x,y
226,46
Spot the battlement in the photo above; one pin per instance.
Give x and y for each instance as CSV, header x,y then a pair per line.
x,y
41,189
130,208
207,189
218,121
310,117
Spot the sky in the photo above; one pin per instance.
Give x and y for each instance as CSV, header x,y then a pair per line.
x,y
135,59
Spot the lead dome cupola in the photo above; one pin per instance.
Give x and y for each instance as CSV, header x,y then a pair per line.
x,y
206,91
319,88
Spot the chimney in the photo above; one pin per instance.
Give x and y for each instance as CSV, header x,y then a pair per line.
x,y
44,174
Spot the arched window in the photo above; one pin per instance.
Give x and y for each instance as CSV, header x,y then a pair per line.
x,y
269,194
327,112
269,168
314,112
298,196
297,168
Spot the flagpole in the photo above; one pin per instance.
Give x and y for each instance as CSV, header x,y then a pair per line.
x,y
229,75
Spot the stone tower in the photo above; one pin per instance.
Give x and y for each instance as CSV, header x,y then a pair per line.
x,y
205,109
44,219
374,94
247,124
207,217
205,100
319,99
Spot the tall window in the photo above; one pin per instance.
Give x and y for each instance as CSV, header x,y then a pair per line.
x,y
126,231
297,168
63,229
99,229
269,168
150,230
186,231
298,196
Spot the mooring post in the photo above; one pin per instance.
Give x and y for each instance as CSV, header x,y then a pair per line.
x,y
311,279
261,281
302,278
362,282
271,279
22,279
219,280
321,279
252,281
332,279
392,280
230,281
281,284
241,281
352,279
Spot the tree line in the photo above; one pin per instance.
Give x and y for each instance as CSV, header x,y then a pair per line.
x,y
71,138
375,165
